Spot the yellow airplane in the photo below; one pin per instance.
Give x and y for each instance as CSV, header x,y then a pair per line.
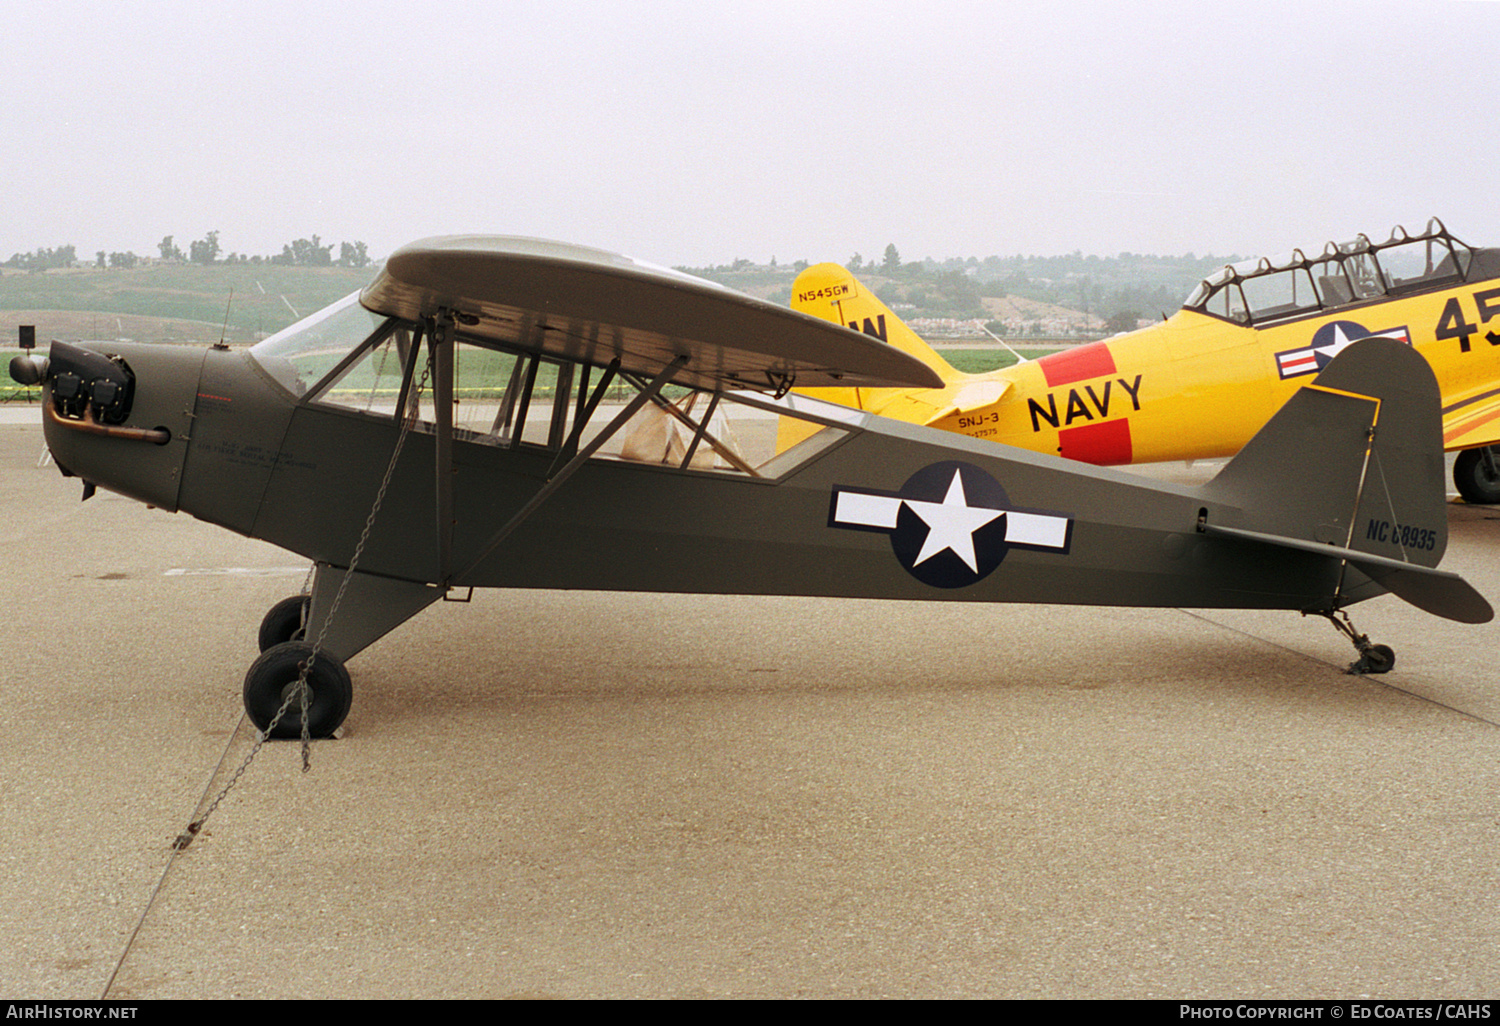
x,y
1202,382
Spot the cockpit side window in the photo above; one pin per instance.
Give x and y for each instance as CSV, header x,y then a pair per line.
x,y
1365,276
528,401
1333,284
506,398
348,358
723,432
1226,301
374,378
1282,294
1410,266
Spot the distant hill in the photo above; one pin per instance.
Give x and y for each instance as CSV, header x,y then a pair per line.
x,y
184,302
169,302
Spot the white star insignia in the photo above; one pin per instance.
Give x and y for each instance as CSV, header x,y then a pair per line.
x,y
1340,342
951,524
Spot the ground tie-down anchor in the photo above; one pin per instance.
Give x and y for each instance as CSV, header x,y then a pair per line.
x,y
1372,658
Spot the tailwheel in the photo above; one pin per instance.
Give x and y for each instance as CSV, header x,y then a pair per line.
x,y
271,691
1372,658
285,621
1477,477
1375,659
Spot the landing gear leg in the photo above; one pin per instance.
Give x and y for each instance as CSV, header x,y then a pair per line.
x,y
369,608
1372,658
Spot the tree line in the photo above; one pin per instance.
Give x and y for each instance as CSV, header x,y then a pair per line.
x,y
311,252
1117,288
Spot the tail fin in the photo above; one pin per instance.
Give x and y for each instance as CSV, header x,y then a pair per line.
x,y
1352,466
834,294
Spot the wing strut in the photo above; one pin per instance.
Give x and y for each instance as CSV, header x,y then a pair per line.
x,y
557,480
585,410
440,342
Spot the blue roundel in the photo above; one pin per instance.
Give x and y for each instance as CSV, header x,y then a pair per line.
x,y
1338,332
950,531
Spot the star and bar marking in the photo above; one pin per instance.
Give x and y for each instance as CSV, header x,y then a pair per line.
x,y
1330,340
950,525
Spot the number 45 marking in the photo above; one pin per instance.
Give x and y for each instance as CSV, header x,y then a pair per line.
x,y
1452,323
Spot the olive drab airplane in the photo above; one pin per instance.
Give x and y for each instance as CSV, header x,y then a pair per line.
x,y
1202,382
503,412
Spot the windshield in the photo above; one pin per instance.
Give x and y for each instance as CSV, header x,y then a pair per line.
x,y
301,355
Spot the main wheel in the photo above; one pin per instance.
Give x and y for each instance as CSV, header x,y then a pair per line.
x,y
1476,477
272,678
285,621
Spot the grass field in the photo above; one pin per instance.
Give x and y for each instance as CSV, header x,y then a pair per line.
x,y
981,361
170,302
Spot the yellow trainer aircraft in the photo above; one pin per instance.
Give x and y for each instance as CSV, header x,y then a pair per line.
x,y
1202,382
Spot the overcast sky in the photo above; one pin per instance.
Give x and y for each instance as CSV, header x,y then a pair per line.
x,y
699,132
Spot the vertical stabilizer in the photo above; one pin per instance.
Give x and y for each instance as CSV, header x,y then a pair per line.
x,y
834,294
1353,460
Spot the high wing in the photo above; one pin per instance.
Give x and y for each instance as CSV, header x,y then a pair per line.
x,y
578,303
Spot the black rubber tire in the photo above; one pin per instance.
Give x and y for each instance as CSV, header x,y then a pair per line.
x,y
1473,480
285,621
1379,659
272,677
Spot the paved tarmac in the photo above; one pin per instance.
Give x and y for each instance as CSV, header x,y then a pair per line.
x,y
590,795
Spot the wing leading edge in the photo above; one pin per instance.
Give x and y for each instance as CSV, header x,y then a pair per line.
x,y
577,303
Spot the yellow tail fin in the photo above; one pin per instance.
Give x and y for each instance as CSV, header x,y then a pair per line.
x,y
834,294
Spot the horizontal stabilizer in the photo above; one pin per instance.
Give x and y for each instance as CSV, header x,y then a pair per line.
x,y
971,397
1434,591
